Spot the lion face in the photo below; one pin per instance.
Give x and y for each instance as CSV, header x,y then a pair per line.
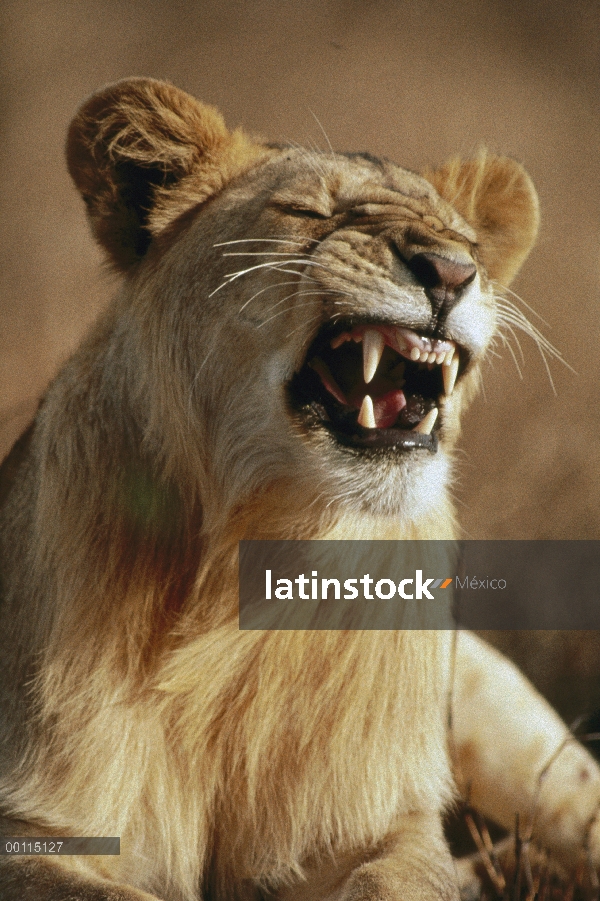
x,y
332,309
357,294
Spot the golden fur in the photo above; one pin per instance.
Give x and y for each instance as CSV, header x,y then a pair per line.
x,y
309,765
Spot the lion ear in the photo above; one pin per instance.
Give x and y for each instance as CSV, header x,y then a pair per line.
x,y
141,152
497,198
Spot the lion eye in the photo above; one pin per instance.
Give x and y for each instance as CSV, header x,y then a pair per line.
x,y
308,212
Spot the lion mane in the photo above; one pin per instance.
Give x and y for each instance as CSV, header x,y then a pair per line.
x,y
220,398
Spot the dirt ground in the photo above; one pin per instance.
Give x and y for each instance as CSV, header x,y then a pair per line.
x,y
416,81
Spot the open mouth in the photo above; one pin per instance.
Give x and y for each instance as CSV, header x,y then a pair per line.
x,y
376,386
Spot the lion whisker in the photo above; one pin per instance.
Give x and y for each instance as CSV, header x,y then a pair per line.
x,y
294,294
525,304
520,321
299,294
232,276
283,312
276,265
270,288
300,274
544,346
309,159
303,325
270,264
509,328
325,135
508,346
267,240
265,253
316,149
509,315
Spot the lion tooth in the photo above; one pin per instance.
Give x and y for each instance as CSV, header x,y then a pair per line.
x,y
402,345
449,357
440,358
373,345
339,340
449,374
366,417
423,356
427,423
431,357
415,354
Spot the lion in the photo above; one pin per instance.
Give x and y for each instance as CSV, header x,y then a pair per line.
x,y
295,337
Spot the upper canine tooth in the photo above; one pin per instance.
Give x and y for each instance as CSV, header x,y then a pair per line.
x,y
366,417
427,423
373,345
449,373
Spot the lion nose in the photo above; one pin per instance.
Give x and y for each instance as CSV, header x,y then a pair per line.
x,y
442,278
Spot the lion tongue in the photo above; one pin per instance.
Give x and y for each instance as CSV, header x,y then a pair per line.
x,y
385,405
379,403
385,409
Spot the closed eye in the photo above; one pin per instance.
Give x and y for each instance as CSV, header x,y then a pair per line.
x,y
299,210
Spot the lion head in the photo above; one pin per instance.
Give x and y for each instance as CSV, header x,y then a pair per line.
x,y
308,320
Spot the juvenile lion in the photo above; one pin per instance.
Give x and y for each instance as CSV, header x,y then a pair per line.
x,y
259,375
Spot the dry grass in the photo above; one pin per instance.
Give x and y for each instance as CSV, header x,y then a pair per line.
x,y
516,869
493,866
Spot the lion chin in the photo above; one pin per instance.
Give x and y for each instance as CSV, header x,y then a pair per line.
x,y
295,338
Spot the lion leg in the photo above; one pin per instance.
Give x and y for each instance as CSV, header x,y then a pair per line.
x,y
413,864
515,755
40,879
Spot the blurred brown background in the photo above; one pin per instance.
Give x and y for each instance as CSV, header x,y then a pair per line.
x,y
416,81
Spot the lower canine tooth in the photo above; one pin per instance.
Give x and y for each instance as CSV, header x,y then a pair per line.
x,y
427,423
373,345
449,374
366,417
